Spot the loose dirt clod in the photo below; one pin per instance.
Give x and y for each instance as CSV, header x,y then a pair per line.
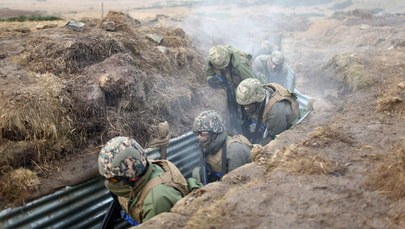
x,y
388,176
18,184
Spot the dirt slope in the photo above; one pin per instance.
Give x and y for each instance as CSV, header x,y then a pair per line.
x,y
66,91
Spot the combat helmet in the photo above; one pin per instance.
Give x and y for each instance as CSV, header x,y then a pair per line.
x,y
209,121
122,157
219,57
277,57
250,91
268,47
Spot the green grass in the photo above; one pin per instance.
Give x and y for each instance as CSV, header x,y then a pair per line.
x,y
30,18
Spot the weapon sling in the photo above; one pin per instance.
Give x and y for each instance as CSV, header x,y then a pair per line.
x,y
224,160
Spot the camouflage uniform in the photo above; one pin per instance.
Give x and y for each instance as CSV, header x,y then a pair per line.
x,y
230,62
237,148
280,116
284,75
123,158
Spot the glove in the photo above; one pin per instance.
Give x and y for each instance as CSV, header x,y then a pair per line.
x,y
216,81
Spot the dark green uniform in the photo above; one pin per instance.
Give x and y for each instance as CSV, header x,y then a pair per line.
x,y
238,68
160,198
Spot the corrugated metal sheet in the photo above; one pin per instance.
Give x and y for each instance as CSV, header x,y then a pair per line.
x,y
84,205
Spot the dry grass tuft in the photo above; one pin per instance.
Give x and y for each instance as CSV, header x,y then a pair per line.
x,y
298,160
388,176
17,185
392,99
122,21
324,136
390,104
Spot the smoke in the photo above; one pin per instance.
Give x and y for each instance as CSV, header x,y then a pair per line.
x,y
226,25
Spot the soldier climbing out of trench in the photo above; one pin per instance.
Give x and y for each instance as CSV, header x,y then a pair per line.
x,y
227,67
271,108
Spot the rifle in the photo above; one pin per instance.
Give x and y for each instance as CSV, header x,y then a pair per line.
x,y
113,213
203,170
233,106
256,134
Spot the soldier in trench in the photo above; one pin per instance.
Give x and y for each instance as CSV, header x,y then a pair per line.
x,y
271,108
227,67
221,152
141,188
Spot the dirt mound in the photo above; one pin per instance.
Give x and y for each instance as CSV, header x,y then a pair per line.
x,y
64,90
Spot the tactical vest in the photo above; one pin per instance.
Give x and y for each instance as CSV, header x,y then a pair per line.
x,y
280,93
171,177
215,159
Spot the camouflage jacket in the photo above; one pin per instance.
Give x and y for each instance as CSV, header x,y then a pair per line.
x,y
160,198
285,76
240,67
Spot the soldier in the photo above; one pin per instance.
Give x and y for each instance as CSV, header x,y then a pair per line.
x,y
143,188
230,63
274,69
227,67
271,108
266,47
221,152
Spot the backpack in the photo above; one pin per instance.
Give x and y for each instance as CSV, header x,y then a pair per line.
x,y
171,177
280,93
239,138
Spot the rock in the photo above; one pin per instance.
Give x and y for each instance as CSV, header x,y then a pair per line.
x,y
162,49
74,25
22,29
46,26
154,37
108,26
401,85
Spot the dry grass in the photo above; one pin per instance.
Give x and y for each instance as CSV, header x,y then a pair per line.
x,y
69,54
70,90
390,105
207,217
388,176
299,160
17,185
34,122
324,136
391,99
351,70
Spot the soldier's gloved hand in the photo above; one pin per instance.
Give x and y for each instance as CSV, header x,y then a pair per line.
x,y
216,81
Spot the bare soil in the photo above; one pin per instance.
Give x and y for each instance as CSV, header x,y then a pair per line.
x,y
342,167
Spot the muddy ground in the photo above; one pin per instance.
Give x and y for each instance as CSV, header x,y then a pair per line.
x,y
342,167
